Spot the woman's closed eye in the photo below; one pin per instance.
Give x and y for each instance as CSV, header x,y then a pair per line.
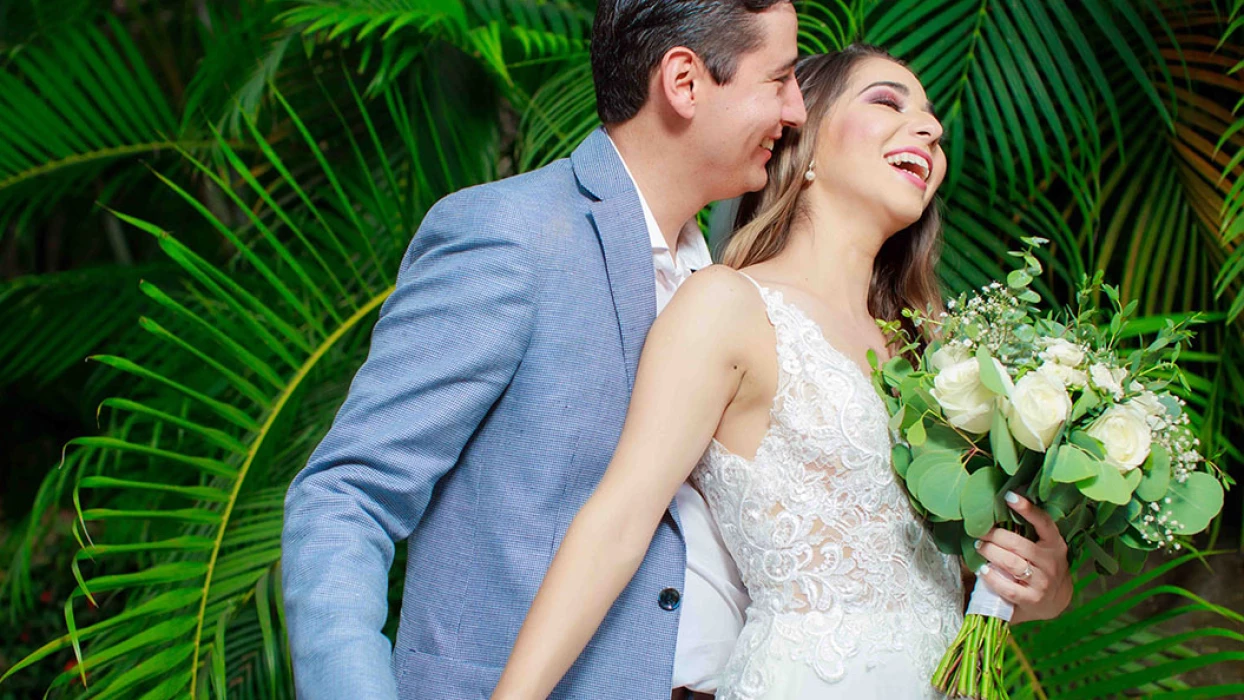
x,y
889,101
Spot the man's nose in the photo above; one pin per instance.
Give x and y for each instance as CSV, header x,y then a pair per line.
x,y
794,113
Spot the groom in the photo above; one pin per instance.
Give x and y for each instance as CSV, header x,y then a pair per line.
x,y
499,377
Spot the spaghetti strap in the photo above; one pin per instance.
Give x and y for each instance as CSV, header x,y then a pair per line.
x,y
753,281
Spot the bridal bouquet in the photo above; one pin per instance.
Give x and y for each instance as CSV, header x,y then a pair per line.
x,y
1056,406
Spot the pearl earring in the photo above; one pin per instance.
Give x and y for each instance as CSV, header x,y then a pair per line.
x,y
810,175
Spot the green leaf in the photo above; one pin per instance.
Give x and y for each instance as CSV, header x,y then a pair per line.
x,y
1073,464
1157,475
1108,485
1064,498
1002,445
977,503
990,376
900,456
1018,279
1194,502
1101,557
1115,524
916,434
1088,443
1045,478
949,536
896,420
923,464
941,489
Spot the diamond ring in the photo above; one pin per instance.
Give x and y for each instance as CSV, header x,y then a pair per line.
x,y
1027,572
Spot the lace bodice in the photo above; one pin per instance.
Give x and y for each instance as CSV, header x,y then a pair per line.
x,y
835,560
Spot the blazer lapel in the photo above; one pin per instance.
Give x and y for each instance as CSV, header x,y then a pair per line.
x,y
619,221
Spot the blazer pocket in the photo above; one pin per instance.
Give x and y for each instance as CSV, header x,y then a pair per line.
x,y
429,677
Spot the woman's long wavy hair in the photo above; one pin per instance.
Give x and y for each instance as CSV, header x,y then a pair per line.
x,y
904,273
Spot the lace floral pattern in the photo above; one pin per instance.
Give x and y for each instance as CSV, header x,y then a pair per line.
x,y
835,560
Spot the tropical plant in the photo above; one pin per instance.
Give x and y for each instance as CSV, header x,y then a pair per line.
x,y
269,161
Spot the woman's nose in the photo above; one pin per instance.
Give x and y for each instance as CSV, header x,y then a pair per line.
x,y
928,128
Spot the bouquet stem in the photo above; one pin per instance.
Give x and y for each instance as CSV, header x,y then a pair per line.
x,y
972,666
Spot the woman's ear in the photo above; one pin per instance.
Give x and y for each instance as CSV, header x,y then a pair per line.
x,y
680,74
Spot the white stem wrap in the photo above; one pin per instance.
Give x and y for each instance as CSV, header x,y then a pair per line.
x,y
985,602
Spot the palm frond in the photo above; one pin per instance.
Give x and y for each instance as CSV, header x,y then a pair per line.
x,y
192,488
1030,71
54,321
500,34
1100,648
71,106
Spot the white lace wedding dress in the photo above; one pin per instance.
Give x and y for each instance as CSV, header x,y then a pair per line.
x,y
850,596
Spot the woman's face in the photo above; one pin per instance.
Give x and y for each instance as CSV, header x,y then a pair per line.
x,y
878,150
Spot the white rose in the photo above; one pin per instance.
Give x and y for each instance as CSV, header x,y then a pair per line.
x,y
1125,434
1107,379
965,401
948,355
1038,407
1066,375
1147,404
1062,351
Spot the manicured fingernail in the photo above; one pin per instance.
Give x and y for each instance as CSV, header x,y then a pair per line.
x,y
978,544
983,571
1012,497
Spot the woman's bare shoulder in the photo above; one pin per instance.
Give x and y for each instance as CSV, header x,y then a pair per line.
x,y
719,305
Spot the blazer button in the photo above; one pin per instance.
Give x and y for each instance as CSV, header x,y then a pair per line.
x,y
669,599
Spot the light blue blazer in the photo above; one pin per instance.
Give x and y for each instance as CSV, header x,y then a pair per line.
x,y
488,408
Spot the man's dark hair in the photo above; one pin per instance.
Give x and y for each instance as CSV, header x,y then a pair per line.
x,y
630,37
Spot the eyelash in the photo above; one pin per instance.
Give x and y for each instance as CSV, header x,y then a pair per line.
x,y
889,102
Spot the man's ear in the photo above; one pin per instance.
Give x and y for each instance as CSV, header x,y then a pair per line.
x,y
680,75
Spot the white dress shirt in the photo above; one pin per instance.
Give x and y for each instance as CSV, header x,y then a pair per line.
x,y
713,597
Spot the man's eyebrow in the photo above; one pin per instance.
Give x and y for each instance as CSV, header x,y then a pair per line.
x,y
900,89
788,67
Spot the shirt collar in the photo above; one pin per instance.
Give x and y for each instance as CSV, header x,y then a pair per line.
x,y
692,248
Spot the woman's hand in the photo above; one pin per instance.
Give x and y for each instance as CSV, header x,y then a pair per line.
x,y
1034,576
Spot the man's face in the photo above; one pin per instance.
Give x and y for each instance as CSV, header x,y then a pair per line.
x,y
736,124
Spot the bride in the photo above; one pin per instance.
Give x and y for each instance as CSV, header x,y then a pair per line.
x,y
754,383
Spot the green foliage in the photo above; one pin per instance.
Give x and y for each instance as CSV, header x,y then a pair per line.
x,y
271,163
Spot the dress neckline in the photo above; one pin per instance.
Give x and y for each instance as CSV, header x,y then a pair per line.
x,y
780,299
769,295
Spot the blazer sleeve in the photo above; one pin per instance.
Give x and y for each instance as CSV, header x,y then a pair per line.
x,y
447,344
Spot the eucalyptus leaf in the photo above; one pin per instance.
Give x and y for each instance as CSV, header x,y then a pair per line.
x,y
941,489
1073,464
1088,443
990,376
1108,485
1018,279
916,434
1002,444
1045,478
1064,498
900,456
1101,557
949,536
980,493
923,464
1157,475
1115,524
1195,502
1087,401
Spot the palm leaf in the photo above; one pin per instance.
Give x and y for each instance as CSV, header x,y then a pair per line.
x,y
1031,71
1099,648
69,107
500,34
197,491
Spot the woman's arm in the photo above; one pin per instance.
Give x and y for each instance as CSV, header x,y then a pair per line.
x,y
691,368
